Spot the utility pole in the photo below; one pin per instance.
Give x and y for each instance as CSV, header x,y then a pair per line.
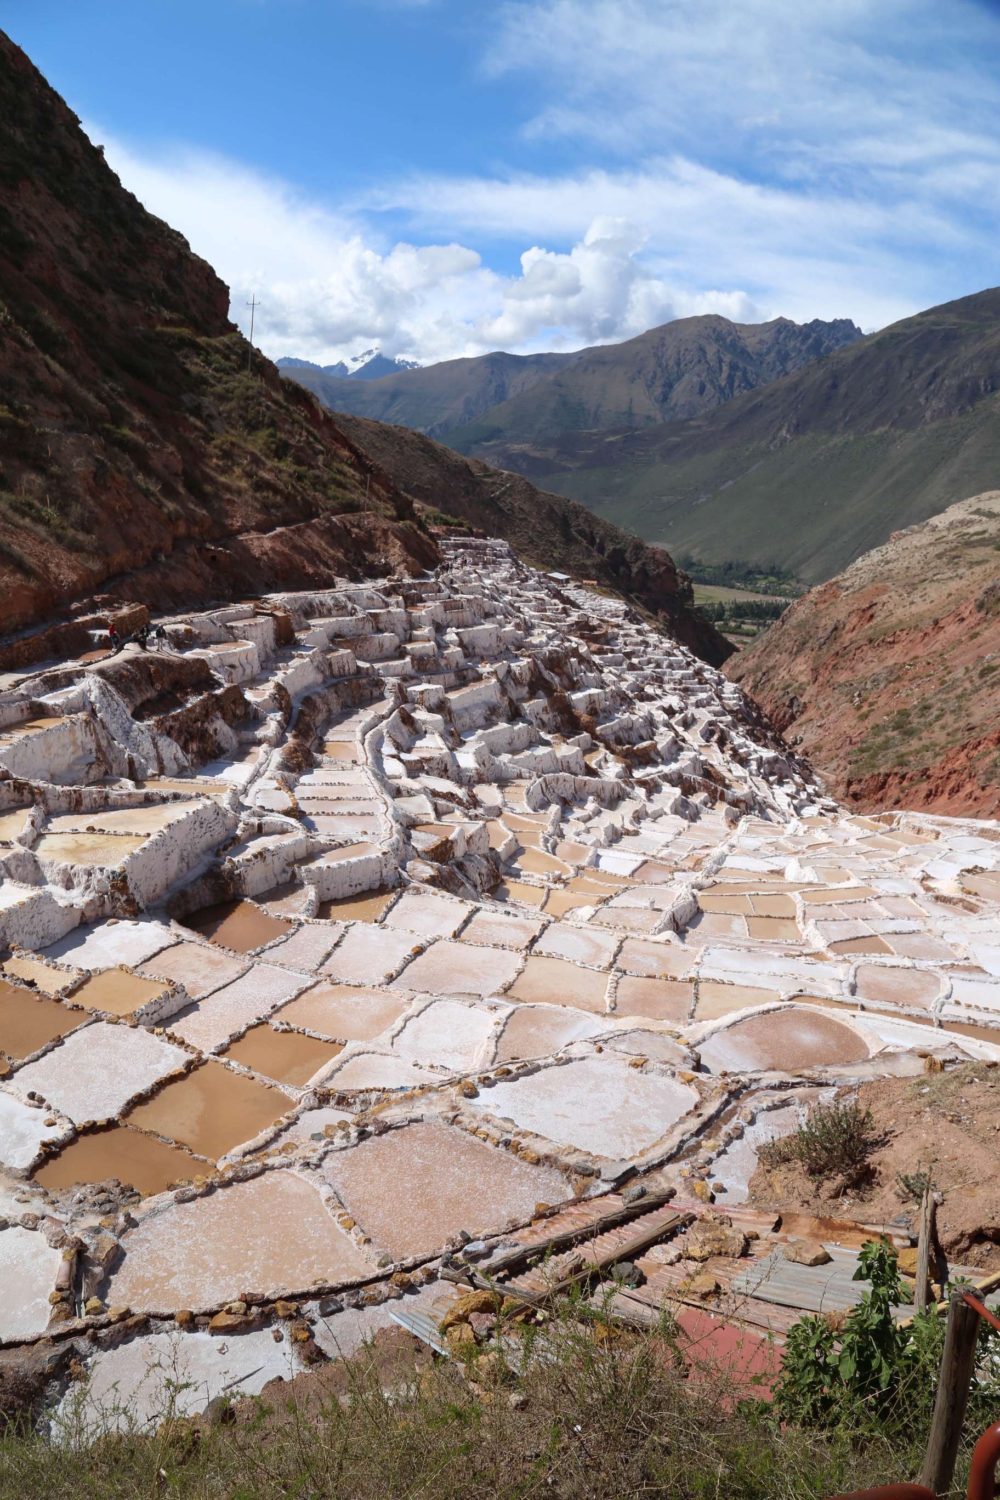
x,y
253,305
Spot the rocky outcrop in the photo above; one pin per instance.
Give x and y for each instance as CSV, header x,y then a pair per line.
x,y
888,677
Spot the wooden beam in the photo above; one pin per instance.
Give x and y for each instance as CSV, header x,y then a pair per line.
x,y
954,1379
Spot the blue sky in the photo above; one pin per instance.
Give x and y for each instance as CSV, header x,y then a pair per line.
x,y
442,177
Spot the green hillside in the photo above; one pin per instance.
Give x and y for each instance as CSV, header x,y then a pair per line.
x,y
816,468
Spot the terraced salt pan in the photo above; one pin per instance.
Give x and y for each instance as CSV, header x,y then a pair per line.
x,y
28,1270
239,926
46,978
212,1110
12,824
116,992
288,1057
23,1132
412,1189
199,967
111,943
541,1030
268,1236
308,947
227,1011
454,968
29,1021
598,1104
368,955
449,1035
428,915
785,1040
368,1069
142,1161
141,821
357,908
137,1386
99,849
657,999
653,960
493,928
554,981
582,945
94,1073
343,1012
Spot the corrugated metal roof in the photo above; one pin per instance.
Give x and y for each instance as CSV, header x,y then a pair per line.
x,y
422,1323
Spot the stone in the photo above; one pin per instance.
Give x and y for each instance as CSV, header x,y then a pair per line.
x,y
470,1302
715,1236
701,1190
906,1259
461,1339
702,1286
225,1322
806,1253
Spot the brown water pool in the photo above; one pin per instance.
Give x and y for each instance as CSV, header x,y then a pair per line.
x,y
366,908
211,1110
29,1021
116,992
787,1040
238,925
142,1161
286,1056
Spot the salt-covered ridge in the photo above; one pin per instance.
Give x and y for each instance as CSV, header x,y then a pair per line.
x,y
357,923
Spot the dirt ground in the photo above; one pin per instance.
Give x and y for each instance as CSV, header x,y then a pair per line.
x,y
947,1124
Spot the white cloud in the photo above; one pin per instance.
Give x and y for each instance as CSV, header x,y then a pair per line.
x,y
328,288
835,158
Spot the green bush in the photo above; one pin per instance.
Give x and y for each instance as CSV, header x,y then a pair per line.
x,y
836,1140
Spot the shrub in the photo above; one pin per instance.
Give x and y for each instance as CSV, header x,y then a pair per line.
x,y
836,1140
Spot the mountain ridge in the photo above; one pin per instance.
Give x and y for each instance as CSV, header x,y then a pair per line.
x,y
678,369
878,435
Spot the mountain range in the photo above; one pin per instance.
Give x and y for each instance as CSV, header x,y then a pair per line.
x,y
774,443
146,451
504,402
371,364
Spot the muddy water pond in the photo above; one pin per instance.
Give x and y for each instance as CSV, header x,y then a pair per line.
x,y
211,1110
29,1021
240,926
116,992
366,908
142,1161
286,1056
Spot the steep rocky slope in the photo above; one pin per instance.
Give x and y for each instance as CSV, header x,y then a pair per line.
x,y
815,468
507,408
136,450
546,530
888,677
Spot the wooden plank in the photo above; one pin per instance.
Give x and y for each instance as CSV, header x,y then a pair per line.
x,y
925,1245
561,1239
